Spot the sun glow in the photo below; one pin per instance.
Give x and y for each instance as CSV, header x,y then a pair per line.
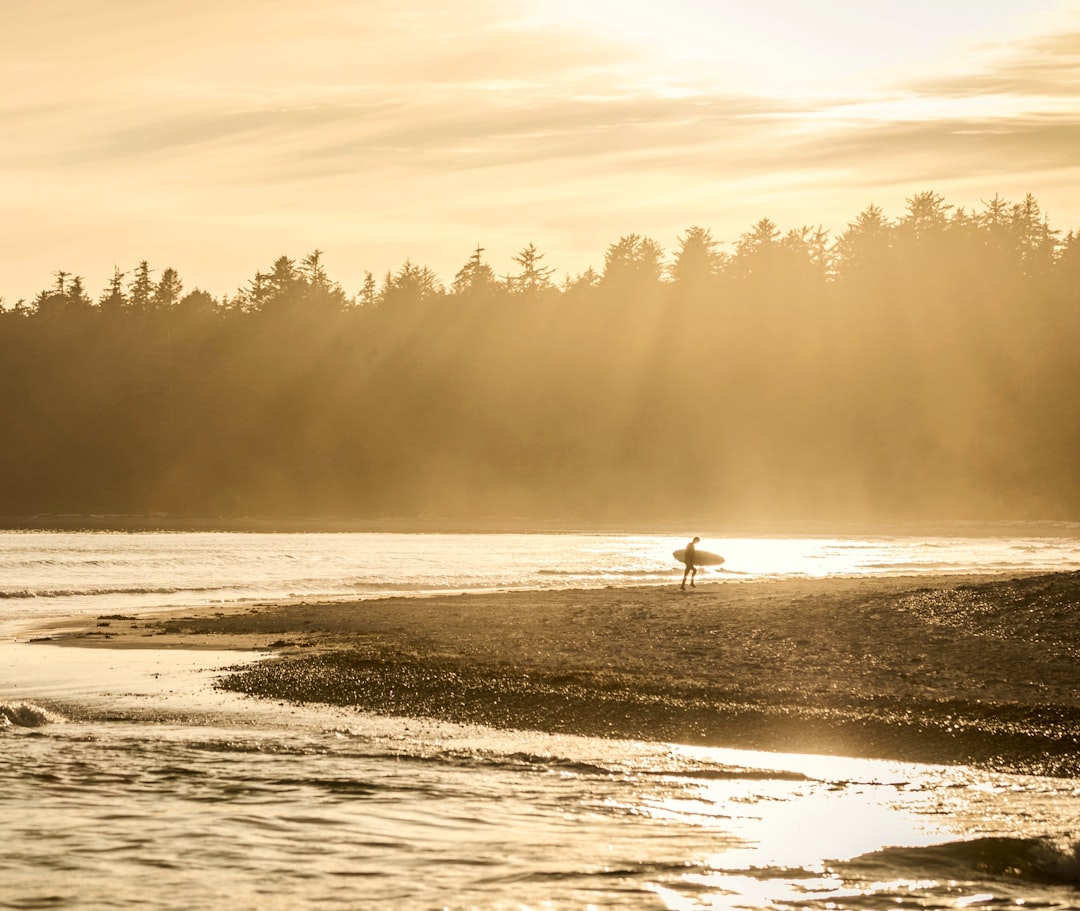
x,y
566,123
790,824
788,48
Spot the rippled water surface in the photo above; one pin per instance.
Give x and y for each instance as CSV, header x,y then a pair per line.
x,y
127,780
359,812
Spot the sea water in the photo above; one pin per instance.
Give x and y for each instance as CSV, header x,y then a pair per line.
x,y
58,574
127,780
332,809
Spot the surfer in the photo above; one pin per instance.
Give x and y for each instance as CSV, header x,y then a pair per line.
x,y
688,559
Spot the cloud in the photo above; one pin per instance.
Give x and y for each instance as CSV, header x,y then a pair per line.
x,y
126,82
251,125
1044,66
1018,115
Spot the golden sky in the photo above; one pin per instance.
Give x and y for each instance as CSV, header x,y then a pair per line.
x,y
216,135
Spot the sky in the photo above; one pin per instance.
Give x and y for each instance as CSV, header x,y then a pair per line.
x,y
214,136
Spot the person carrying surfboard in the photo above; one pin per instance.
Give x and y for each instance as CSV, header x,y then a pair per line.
x,y
688,559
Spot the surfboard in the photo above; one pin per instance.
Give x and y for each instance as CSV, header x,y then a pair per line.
x,y
701,557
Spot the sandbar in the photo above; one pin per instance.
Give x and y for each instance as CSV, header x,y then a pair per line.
x,y
983,670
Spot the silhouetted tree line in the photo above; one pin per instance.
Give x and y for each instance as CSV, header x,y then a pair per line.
x,y
918,367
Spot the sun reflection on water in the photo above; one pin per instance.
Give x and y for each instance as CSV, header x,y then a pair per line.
x,y
782,835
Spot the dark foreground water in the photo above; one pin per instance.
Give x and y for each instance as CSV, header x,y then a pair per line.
x,y
248,805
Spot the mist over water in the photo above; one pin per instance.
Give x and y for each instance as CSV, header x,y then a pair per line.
x,y
919,368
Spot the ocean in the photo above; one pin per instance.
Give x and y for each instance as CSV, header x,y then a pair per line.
x,y
127,780
59,574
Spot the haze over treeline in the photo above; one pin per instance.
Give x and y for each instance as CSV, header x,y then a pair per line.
x,y
922,367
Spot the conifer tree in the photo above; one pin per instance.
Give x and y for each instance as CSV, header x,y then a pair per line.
x,y
113,299
167,291
141,291
476,277
697,260
534,277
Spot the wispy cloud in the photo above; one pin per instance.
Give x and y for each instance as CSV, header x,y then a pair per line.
x,y
1045,66
379,133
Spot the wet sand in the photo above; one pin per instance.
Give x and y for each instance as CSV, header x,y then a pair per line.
x,y
974,669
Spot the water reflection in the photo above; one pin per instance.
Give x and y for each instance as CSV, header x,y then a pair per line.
x,y
856,834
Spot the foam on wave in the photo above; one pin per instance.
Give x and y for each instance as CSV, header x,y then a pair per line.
x,y
26,715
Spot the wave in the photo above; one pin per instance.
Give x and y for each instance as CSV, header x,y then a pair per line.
x,y
1045,860
733,773
346,787
643,572
96,592
943,566
25,715
485,759
546,763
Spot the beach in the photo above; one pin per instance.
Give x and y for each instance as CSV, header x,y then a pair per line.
x,y
981,670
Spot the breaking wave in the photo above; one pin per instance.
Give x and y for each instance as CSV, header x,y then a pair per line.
x,y
96,592
25,715
1048,861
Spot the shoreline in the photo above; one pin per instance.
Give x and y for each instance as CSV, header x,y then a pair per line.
x,y
973,669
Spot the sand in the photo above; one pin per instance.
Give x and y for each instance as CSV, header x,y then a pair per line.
x,y
948,669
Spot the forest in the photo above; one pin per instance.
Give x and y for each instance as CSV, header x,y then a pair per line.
x,y
921,367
